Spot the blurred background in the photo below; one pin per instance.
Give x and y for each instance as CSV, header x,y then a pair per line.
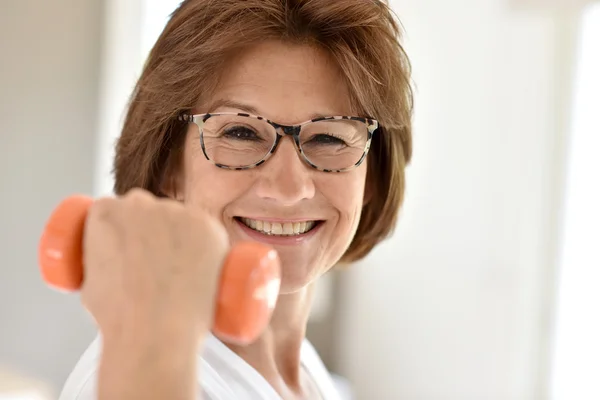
x,y
488,290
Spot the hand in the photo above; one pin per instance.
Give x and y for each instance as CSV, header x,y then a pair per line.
x,y
151,275
150,264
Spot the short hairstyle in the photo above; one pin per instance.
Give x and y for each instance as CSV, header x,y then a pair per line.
x,y
362,36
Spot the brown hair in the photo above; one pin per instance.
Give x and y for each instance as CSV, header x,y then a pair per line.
x,y
362,36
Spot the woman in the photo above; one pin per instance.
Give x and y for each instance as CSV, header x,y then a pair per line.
x,y
200,150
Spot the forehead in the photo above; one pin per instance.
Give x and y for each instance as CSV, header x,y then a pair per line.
x,y
284,82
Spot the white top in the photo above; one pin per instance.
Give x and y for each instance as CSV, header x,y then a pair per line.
x,y
223,375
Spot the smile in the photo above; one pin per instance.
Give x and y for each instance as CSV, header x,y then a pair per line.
x,y
279,228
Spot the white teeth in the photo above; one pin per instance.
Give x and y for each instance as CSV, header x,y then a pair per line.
x,y
288,228
276,228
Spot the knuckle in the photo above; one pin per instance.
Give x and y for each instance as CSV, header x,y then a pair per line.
x,y
138,199
209,227
171,206
138,195
102,208
177,211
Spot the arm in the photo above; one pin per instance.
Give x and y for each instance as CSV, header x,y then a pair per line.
x,y
150,285
154,366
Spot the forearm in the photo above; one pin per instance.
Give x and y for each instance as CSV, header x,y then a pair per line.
x,y
156,368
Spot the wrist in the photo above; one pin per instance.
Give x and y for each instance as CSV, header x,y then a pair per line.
x,y
149,361
155,367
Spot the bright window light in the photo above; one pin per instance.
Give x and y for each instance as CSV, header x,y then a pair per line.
x,y
576,352
156,13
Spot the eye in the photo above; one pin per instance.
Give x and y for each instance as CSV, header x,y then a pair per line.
x,y
240,133
327,138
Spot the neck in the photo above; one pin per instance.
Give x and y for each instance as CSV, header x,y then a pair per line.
x,y
276,353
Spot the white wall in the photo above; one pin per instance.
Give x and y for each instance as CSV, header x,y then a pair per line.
x,y
49,69
456,305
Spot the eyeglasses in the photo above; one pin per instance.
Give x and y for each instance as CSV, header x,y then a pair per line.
x,y
241,141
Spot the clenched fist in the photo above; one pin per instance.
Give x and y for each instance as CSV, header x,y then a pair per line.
x,y
151,267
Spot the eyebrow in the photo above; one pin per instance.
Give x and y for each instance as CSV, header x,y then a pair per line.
x,y
250,109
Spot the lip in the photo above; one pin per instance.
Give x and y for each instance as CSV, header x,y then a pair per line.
x,y
279,240
283,220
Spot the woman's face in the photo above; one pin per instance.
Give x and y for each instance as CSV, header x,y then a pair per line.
x,y
287,84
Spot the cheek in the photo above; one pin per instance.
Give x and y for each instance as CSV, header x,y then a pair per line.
x,y
208,186
346,194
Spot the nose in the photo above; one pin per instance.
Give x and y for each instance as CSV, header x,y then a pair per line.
x,y
285,178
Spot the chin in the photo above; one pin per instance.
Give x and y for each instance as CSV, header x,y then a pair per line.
x,y
295,278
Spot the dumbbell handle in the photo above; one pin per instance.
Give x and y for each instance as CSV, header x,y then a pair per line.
x,y
248,284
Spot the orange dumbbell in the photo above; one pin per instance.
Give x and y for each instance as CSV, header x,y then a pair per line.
x,y
248,287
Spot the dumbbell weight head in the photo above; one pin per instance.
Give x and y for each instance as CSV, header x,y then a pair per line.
x,y
248,286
